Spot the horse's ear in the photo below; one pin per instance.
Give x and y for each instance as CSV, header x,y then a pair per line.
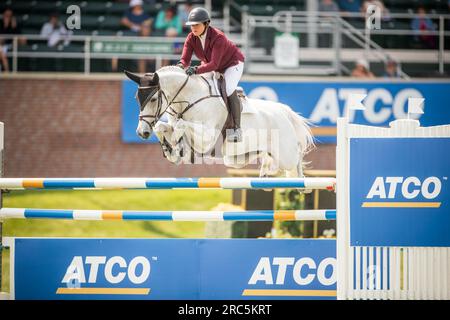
x,y
133,76
155,79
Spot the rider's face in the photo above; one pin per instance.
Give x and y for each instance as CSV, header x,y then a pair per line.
x,y
197,29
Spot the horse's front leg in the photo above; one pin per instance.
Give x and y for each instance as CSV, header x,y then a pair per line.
x,y
173,151
179,129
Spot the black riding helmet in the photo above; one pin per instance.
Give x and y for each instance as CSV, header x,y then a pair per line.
x,y
197,16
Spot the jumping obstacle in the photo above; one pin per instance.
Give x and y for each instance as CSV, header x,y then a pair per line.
x,y
250,215
167,183
383,252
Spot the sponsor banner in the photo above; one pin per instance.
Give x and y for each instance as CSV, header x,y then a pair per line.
x,y
399,192
130,114
133,47
323,102
159,269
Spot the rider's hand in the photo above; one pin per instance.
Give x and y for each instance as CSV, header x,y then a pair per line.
x,y
180,65
191,70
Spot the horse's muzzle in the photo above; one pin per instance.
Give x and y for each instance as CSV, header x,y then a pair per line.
x,y
146,134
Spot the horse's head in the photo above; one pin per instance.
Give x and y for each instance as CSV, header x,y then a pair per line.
x,y
149,97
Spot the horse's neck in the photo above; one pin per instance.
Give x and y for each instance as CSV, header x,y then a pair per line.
x,y
204,121
208,113
172,82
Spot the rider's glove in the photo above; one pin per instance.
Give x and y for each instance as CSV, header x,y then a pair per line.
x,y
191,70
180,65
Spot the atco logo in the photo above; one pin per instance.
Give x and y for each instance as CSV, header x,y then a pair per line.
x,y
303,271
114,270
404,188
380,104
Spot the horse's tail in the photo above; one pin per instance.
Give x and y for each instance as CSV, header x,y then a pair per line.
x,y
303,131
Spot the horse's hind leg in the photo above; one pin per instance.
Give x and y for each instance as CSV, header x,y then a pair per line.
x,y
266,163
297,172
300,168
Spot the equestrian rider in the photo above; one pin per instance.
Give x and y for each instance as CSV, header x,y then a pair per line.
x,y
217,53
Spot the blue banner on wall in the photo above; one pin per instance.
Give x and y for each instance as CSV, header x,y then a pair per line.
x,y
174,269
400,192
323,102
130,114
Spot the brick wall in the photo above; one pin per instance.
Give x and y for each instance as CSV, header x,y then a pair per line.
x,y
71,127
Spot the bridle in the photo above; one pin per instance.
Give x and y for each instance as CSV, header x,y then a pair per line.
x,y
159,112
154,89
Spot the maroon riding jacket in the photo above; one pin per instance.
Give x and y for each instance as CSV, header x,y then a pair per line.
x,y
219,54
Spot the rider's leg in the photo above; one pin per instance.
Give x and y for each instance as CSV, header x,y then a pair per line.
x,y
232,76
235,107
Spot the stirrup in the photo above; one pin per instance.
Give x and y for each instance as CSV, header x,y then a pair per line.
x,y
235,136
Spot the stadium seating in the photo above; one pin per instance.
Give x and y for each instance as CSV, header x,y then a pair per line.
x,y
100,17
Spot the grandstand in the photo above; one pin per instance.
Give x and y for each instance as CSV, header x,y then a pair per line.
x,y
327,46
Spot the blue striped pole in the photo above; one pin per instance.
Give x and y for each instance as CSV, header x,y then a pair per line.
x,y
166,183
253,215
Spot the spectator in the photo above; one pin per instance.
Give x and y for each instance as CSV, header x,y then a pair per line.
x,y
183,13
349,5
55,31
8,26
420,24
139,23
169,22
361,70
328,6
136,19
391,70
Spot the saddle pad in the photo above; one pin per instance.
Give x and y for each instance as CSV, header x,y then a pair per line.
x,y
247,107
212,80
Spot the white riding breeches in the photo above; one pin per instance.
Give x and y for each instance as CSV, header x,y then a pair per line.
x,y
232,76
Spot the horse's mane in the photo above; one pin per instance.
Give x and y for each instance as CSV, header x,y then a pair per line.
x,y
171,69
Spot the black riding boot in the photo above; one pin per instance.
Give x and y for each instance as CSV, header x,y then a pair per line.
x,y
234,102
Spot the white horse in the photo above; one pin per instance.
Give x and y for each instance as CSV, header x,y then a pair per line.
x,y
272,132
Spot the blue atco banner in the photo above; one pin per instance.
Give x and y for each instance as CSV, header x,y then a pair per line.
x,y
130,114
174,269
323,102
400,192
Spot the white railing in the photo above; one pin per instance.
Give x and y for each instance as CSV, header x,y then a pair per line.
x,y
87,53
296,21
334,24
